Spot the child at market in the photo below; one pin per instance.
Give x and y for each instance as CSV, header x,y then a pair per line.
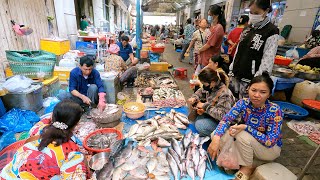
x,y
54,154
212,101
258,134
114,62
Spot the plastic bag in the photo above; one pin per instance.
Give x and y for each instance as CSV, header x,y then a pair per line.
x,y
293,53
17,120
228,157
198,70
7,139
17,83
50,108
50,100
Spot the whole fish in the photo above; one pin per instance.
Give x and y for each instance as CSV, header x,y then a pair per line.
x,y
115,147
128,166
176,147
118,174
196,158
184,168
173,166
133,130
176,158
140,172
167,177
105,172
203,140
126,151
162,160
152,164
144,161
130,177
196,139
202,169
162,168
162,142
190,170
182,118
187,139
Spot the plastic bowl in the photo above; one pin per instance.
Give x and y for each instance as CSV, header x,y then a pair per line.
x,y
302,113
312,106
134,110
101,131
282,61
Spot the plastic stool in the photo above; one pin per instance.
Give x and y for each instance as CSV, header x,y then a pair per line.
x,y
180,73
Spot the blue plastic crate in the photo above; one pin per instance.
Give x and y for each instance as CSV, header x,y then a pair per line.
x,y
85,45
154,57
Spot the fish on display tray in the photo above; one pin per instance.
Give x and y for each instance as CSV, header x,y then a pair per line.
x,y
102,141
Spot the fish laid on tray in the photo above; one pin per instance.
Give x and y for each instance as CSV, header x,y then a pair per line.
x,y
159,129
167,97
102,141
155,81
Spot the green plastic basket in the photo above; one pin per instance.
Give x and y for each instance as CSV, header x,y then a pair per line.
x,y
29,63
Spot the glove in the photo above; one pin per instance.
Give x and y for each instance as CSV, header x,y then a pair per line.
x,y
102,102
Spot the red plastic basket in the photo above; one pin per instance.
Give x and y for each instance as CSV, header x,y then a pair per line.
x,y
101,131
158,49
282,61
13,146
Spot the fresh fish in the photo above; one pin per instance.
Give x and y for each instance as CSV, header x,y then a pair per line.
x,y
183,167
182,118
156,172
162,168
143,149
201,170
180,126
130,177
202,152
134,128
190,170
203,140
125,153
167,177
152,164
196,158
162,142
148,130
144,161
162,160
140,172
187,139
105,172
145,143
203,160
118,174
173,166
196,139
175,146
128,166
116,146
177,159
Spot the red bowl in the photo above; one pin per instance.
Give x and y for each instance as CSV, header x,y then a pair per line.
x,y
101,131
282,61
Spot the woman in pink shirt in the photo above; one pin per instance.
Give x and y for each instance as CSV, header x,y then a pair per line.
x,y
217,29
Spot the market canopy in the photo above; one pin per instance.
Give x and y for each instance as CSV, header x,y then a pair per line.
x,y
163,6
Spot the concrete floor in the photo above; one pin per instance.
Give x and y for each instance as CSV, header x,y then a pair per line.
x,y
295,152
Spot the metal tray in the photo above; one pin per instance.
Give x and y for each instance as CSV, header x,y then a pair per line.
x,y
168,74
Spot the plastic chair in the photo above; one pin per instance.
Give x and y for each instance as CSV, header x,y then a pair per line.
x,y
180,73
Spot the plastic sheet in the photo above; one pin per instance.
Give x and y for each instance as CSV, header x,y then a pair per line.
x,y
17,120
7,139
17,83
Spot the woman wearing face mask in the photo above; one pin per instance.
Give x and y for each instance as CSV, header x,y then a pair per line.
x,y
214,41
212,101
258,139
256,49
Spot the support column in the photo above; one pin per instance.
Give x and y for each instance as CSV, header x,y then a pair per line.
x,y
138,28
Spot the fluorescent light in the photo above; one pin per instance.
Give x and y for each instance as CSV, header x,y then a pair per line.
x,y
274,6
247,10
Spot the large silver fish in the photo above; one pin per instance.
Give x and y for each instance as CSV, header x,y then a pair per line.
x,y
196,158
140,172
152,164
176,147
187,139
105,172
190,170
173,166
202,169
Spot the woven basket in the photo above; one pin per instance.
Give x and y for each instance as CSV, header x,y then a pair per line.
x,y
32,62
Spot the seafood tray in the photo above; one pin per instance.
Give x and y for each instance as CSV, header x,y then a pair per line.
x,y
168,97
155,80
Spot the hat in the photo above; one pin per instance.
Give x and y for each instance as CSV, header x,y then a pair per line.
x,y
114,49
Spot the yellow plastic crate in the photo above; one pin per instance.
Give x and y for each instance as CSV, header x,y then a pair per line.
x,y
63,74
50,81
159,66
8,72
55,47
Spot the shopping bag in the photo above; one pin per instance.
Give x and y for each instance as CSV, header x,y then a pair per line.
x,y
228,157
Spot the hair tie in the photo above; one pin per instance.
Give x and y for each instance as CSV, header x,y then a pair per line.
x,y
60,125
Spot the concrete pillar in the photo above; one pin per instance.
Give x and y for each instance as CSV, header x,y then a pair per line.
x,y
97,12
138,28
205,4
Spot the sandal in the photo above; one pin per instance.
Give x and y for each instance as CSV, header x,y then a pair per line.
x,y
241,176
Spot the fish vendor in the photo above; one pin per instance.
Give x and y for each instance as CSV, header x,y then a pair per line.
x,y
258,135
54,155
85,85
126,51
212,101
114,62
